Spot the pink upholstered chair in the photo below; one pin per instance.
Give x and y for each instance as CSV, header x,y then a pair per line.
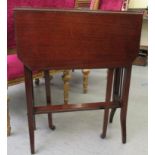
x,y
15,68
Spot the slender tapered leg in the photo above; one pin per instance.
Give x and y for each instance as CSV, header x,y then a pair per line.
x,y
108,97
116,90
66,78
48,98
30,100
85,80
125,94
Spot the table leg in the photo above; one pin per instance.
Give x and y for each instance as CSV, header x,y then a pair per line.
x,y
48,97
125,94
108,97
30,100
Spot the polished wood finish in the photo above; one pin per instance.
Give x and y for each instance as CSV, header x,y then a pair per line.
x,y
108,99
90,41
57,38
30,105
117,91
124,98
48,97
75,107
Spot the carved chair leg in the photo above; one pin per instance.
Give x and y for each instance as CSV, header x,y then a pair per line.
x,y
123,113
66,78
48,98
85,80
8,123
108,98
30,100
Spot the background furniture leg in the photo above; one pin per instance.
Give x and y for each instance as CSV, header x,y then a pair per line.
x,y
8,123
37,81
30,100
48,97
108,97
123,113
66,78
85,80
34,120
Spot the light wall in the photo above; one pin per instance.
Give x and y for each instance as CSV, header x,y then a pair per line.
x,y
138,4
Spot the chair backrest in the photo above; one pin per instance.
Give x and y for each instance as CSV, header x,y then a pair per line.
x,y
34,4
108,5
53,39
111,5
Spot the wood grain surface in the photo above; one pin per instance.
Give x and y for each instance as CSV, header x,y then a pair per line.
x,y
66,39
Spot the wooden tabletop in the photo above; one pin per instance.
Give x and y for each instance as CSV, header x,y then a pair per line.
x,y
66,39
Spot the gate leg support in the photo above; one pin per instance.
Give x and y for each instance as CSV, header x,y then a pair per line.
x,y
116,90
48,98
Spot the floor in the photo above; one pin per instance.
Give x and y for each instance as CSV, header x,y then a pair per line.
x,y
78,133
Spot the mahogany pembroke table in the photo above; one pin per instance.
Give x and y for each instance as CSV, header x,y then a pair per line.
x,y
76,39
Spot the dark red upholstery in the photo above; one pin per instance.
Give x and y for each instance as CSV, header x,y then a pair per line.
x,y
113,5
15,67
31,3
109,5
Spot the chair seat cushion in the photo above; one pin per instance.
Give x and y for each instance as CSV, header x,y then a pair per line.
x,y
15,67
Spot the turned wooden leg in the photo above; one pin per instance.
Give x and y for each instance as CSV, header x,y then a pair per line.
x,y
48,98
85,80
30,100
66,78
108,98
8,123
116,90
123,113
